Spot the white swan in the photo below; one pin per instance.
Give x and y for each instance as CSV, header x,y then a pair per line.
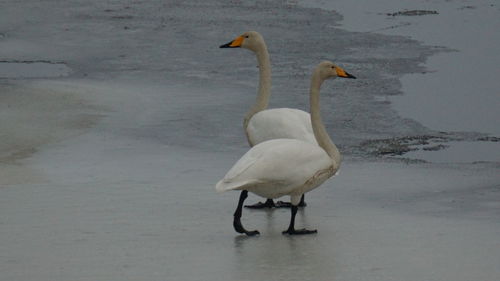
x,y
292,167
263,124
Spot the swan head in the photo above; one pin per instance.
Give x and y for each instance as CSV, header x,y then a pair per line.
x,y
251,40
328,69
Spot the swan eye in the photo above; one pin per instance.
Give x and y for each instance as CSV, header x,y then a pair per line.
x,y
246,36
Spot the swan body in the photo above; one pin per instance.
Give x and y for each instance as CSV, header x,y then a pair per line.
x,y
280,123
279,167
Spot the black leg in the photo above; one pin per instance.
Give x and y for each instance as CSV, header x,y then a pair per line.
x,y
237,216
281,204
291,228
268,204
302,203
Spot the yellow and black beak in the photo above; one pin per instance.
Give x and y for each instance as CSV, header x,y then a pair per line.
x,y
236,43
342,73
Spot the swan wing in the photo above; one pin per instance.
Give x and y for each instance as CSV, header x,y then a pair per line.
x,y
280,123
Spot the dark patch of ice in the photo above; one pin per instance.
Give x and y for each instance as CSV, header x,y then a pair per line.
x,y
413,13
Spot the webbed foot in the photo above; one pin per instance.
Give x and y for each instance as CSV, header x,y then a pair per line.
x,y
291,228
268,204
240,229
299,231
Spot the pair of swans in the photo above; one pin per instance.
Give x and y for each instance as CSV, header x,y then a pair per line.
x,y
292,158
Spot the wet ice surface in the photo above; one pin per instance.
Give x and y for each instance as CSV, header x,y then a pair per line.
x,y
466,76
109,174
459,152
459,89
137,210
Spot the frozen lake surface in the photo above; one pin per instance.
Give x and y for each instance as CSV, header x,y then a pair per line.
x,y
459,152
32,69
465,75
108,173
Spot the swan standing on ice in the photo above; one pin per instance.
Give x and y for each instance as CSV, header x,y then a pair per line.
x,y
279,167
263,124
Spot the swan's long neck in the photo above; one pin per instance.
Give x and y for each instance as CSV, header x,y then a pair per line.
x,y
264,90
319,129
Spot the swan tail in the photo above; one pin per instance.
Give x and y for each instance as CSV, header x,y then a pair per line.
x,y
222,185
